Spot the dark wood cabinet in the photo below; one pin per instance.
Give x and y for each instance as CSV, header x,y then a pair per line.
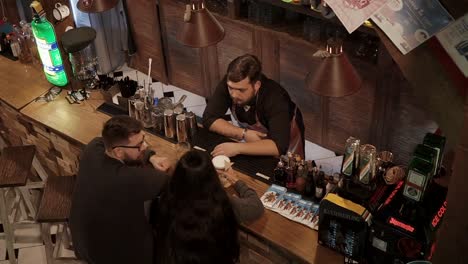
x,y
352,115
238,40
143,17
183,63
294,62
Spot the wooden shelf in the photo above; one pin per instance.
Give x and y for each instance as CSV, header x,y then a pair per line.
x,y
309,12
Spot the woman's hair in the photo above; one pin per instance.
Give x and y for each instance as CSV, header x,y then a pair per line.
x,y
195,221
244,66
118,129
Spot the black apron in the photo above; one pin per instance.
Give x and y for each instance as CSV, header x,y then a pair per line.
x,y
295,136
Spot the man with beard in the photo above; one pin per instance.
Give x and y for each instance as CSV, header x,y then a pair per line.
x,y
270,123
107,220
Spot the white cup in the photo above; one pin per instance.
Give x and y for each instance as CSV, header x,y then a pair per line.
x,y
219,162
60,12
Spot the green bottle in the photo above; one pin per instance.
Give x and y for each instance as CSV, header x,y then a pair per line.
x,y
47,46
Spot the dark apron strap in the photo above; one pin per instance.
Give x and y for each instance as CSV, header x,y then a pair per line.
x,y
296,142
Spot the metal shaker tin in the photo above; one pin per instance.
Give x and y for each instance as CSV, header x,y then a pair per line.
x,y
181,128
191,122
169,126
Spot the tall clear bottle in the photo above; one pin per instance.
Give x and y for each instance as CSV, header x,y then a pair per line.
x,y
31,41
47,46
25,52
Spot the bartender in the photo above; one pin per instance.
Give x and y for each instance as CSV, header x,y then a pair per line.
x,y
269,122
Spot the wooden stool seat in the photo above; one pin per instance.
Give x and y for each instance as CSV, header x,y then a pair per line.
x,y
54,209
15,165
56,201
15,170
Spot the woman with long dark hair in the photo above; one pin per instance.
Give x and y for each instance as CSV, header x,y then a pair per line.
x,y
197,222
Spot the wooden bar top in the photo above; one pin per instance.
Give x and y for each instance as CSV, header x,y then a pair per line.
x,y
83,122
21,83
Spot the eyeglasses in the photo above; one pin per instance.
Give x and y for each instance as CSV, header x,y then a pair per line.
x,y
138,146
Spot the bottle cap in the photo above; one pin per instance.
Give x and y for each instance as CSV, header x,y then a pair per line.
x,y
37,9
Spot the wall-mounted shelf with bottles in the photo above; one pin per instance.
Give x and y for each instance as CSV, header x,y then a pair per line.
x,y
307,10
299,21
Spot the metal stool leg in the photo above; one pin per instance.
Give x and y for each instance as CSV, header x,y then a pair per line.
x,y
9,235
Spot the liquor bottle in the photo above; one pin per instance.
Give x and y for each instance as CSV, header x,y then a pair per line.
x,y
300,179
320,186
367,159
25,52
310,182
14,45
279,174
290,173
351,157
47,46
31,41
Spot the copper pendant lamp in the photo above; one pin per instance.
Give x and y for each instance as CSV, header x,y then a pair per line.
x,y
200,28
96,6
336,76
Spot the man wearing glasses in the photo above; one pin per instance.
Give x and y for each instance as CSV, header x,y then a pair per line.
x,y
270,123
107,220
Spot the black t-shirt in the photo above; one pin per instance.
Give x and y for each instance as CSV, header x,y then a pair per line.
x,y
107,220
274,108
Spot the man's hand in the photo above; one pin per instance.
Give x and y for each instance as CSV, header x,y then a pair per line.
x,y
160,163
227,149
252,135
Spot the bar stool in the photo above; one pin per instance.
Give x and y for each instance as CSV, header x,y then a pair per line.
x,y
15,170
55,208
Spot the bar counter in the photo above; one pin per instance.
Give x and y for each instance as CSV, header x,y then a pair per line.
x,y
60,130
21,83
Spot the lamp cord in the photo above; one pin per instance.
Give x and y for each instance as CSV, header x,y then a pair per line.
x,y
3,11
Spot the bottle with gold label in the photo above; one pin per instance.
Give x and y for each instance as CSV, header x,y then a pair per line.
x,y
367,159
351,157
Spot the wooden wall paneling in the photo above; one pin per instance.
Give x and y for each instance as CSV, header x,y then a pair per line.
x,y
408,125
238,40
143,17
16,131
295,62
67,154
324,113
10,130
11,11
233,8
183,63
46,153
268,52
352,115
210,69
432,86
386,95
